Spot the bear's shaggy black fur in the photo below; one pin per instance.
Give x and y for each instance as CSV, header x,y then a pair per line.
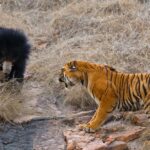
x,y
14,47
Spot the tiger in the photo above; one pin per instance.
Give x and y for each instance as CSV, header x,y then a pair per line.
x,y
111,89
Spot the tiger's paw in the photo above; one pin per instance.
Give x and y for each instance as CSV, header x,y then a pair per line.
x,y
87,128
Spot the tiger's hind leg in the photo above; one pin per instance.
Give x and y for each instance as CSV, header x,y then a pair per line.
x,y
147,104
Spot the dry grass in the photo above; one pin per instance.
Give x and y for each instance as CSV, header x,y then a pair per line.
x,y
43,5
79,99
11,102
115,32
15,104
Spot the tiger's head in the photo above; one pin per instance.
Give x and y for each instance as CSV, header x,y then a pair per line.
x,y
71,74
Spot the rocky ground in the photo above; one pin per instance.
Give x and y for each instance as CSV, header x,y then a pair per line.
x,y
124,132
110,32
37,135
127,131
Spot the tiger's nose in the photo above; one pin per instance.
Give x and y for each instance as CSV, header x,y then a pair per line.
x,y
61,80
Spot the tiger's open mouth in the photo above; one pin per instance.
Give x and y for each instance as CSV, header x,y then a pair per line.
x,y
66,81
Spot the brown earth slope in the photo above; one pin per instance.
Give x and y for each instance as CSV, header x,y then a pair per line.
x,y
114,32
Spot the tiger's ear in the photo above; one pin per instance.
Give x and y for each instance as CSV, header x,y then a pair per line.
x,y
73,66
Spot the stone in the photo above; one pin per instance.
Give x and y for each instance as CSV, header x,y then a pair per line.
x,y
41,42
95,145
112,136
71,145
127,135
139,119
68,121
131,134
146,135
146,145
118,145
1,145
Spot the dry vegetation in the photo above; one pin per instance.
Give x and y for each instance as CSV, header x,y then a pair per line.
x,y
113,32
10,105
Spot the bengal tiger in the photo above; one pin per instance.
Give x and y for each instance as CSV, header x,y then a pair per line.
x,y
110,89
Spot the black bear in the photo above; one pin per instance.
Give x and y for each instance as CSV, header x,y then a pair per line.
x,y
14,53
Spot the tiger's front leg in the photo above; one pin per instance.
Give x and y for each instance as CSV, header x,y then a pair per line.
x,y
95,122
84,126
107,105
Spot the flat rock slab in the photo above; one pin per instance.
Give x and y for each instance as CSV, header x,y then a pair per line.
x,y
128,134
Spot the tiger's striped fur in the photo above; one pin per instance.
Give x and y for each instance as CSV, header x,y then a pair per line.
x,y
109,88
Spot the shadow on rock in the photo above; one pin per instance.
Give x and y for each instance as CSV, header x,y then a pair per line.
x,y
34,135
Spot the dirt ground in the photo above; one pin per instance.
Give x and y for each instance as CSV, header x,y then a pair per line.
x,y
110,32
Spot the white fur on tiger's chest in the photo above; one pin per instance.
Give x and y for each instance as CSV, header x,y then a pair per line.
x,y
89,88
95,98
97,101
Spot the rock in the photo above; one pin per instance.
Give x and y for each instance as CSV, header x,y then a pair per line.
x,y
127,135
27,76
71,145
146,145
85,142
118,145
61,147
145,139
95,145
79,140
114,139
139,119
41,42
39,135
1,145
146,135
76,139
136,118
68,121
